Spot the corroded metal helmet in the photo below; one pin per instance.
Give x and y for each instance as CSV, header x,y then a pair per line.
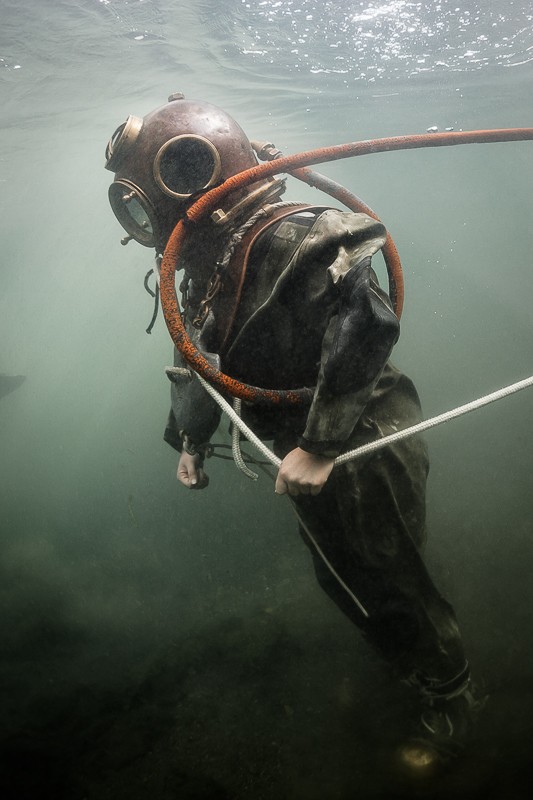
x,y
164,160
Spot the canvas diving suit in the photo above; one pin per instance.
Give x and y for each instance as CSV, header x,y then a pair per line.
x,y
311,314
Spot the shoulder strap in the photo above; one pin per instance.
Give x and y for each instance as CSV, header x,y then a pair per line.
x,y
228,298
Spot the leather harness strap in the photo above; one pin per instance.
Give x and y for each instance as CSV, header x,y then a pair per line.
x,y
229,296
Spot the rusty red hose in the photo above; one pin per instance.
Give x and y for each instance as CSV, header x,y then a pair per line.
x,y
207,202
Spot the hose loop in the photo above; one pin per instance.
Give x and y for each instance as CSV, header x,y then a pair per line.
x,y
208,201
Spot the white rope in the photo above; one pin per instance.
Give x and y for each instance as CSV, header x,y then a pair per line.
x,y
434,421
261,446
232,414
378,443
239,425
238,422
236,444
327,562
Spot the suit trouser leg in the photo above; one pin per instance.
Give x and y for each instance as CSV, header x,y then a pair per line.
x,y
369,521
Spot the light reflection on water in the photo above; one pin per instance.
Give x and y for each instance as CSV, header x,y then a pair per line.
x,y
364,41
371,40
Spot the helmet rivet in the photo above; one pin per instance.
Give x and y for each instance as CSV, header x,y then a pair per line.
x,y
176,96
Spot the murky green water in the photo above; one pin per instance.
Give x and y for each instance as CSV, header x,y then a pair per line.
x,y
171,645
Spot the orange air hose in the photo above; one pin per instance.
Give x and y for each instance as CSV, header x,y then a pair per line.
x,y
225,383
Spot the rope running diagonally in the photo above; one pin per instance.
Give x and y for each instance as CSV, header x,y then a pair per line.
x,y
240,425
370,447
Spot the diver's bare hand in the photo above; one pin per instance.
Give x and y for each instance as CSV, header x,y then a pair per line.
x,y
303,473
190,472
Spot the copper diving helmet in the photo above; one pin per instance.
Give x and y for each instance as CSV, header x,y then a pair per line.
x,y
164,160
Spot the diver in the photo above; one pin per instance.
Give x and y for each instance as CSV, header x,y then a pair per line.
x,y
283,295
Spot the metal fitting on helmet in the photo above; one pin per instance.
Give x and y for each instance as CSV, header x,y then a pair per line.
x,y
165,159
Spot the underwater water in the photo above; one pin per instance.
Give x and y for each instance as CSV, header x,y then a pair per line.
x,y
165,644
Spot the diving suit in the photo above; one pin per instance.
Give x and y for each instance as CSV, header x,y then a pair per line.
x,y
299,305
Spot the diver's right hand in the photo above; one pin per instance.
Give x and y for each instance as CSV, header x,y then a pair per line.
x,y
190,472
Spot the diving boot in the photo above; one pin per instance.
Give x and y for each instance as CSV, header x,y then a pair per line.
x,y
445,726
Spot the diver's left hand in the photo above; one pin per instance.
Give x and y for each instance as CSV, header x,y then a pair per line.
x,y
190,471
303,473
